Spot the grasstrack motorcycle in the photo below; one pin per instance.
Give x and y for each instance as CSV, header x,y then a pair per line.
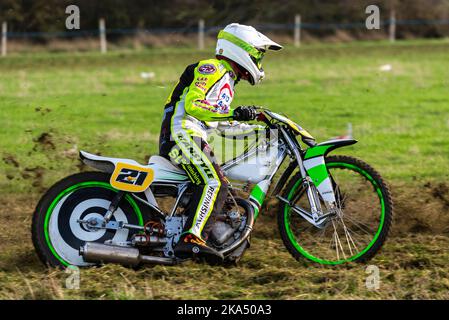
x,y
333,209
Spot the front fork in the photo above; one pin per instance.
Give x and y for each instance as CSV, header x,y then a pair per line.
x,y
260,190
313,197
316,182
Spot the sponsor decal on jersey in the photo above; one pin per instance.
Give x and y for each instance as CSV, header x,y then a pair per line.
x,y
222,108
176,156
193,174
201,85
213,109
203,104
206,105
197,159
224,99
207,202
226,89
207,69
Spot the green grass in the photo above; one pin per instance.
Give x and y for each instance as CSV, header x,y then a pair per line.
x,y
54,104
411,267
260,279
101,104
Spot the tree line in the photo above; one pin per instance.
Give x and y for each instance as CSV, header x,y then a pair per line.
x,y
49,15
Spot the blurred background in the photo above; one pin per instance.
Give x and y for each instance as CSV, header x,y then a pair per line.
x,y
40,24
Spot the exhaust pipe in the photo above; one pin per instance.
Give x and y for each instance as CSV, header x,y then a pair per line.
x,y
97,252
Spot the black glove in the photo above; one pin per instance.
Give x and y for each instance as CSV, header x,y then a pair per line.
x,y
245,113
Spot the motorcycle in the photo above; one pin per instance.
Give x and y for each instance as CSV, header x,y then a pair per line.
x,y
333,209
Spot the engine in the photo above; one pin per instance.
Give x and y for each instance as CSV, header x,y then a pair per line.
x,y
227,227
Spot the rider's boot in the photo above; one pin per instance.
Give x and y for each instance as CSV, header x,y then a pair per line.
x,y
191,246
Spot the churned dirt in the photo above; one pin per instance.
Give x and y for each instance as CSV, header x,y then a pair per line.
x,y
412,264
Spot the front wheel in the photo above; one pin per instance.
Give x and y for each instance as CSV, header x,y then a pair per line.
x,y
57,234
356,232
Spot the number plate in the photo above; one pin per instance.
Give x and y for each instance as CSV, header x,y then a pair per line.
x,y
128,177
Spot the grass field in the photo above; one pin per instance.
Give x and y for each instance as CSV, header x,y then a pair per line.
x,y
54,104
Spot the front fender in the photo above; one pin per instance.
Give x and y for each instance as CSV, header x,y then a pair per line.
x,y
316,169
323,148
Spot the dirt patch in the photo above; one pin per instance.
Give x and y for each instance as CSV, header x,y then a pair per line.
x,y
36,175
44,141
440,192
421,209
42,111
48,155
417,209
10,160
411,267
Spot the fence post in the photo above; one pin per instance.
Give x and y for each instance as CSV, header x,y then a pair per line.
x,y
4,41
392,26
297,33
102,27
201,34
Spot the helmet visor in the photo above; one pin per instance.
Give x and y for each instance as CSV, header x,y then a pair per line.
x,y
258,60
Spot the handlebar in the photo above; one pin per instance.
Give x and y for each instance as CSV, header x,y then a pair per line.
x,y
262,117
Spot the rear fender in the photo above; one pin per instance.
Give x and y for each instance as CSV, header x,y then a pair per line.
x,y
131,176
104,164
126,174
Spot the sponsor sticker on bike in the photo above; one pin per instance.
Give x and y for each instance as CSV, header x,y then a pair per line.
x,y
131,178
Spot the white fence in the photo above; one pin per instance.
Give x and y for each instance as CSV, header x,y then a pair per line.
x,y
202,30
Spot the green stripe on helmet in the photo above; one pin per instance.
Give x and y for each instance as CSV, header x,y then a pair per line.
x,y
240,43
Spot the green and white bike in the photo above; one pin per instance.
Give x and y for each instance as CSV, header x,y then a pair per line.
x,y
333,209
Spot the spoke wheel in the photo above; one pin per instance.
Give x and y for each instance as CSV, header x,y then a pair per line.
x,y
360,226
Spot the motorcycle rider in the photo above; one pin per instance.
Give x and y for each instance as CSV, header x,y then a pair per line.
x,y
199,101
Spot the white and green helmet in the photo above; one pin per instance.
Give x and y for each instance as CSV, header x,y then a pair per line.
x,y
245,46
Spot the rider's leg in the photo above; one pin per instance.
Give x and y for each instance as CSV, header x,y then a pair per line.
x,y
210,193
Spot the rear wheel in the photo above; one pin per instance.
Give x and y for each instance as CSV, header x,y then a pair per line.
x,y
361,225
57,236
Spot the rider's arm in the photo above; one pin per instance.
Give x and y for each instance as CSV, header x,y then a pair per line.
x,y
207,74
